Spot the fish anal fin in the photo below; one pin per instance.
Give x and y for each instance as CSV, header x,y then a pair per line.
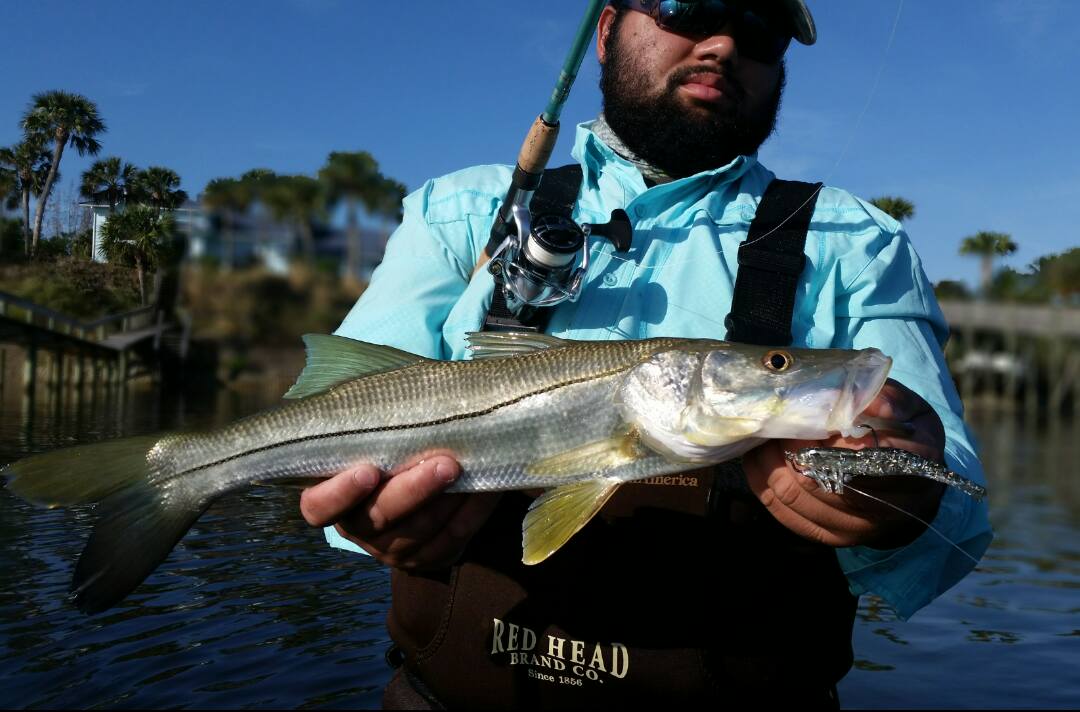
x,y
333,360
591,457
560,513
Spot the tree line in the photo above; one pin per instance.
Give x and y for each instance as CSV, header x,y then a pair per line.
x,y
1050,278
139,229
139,200
351,179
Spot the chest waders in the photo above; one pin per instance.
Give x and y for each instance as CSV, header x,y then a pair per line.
x,y
683,591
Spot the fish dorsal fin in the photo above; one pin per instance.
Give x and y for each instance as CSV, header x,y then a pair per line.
x,y
332,360
558,514
493,344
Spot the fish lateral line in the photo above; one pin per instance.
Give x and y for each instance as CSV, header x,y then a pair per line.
x,y
394,428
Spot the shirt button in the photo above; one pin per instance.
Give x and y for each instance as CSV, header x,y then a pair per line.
x,y
610,279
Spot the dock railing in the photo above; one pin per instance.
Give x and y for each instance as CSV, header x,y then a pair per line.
x,y
26,311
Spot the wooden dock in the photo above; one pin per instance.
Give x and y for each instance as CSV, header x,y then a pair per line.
x,y
1032,359
68,353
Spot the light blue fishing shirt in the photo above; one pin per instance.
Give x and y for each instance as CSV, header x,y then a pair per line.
x,y
863,286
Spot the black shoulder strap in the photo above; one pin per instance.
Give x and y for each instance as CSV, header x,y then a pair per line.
x,y
557,195
770,263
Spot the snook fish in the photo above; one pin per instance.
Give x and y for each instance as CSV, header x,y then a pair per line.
x,y
529,411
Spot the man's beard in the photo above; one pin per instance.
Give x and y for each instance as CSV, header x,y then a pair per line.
x,y
668,136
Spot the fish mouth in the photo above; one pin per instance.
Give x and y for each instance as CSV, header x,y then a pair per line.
x,y
865,377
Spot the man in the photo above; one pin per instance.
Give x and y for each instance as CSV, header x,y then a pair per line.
x,y
706,587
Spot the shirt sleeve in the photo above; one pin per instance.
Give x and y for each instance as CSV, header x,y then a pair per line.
x,y
890,305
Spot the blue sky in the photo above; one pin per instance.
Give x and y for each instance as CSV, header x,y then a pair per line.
x,y
971,113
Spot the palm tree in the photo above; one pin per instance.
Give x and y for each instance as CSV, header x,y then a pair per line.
x,y
160,187
30,164
389,206
987,245
253,186
138,235
110,177
60,118
227,197
900,209
353,178
300,200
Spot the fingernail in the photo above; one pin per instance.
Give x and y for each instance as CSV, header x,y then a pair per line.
x,y
445,473
365,479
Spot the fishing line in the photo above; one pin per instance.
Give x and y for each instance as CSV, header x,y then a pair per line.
x,y
928,525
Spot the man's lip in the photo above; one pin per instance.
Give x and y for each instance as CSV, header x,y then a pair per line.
x,y
707,86
709,79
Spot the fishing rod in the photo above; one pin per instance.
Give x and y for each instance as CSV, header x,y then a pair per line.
x,y
534,259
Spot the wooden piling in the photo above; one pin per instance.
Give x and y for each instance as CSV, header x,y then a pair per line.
x,y
967,380
1063,368
1031,382
30,369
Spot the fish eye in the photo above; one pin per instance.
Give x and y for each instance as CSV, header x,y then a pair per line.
x,y
778,361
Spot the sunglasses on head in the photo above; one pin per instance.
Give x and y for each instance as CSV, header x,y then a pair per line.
x,y
758,35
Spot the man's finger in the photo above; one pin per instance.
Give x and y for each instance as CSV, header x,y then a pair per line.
x,y
409,490
411,532
326,502
445,547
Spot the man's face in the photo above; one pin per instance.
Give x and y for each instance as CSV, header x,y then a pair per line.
x,y
684,103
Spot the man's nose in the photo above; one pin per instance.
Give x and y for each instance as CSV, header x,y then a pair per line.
x,y
719,46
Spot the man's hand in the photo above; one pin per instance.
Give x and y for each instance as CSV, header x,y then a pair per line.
x,y
404,520
852,519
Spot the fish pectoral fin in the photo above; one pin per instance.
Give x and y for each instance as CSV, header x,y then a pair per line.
x,y
332,360
714,432
592,457
560,513
495,344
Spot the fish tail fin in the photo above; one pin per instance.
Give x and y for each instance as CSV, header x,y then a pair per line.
x,y
141,516
137,529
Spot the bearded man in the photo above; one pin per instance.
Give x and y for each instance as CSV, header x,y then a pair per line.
x,y
734,584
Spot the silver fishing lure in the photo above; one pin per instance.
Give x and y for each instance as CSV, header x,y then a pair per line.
x,y
833,467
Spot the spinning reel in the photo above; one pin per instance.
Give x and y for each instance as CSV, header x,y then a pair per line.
x,y
539,261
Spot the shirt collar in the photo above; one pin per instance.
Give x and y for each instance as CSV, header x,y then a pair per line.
x,y
596,157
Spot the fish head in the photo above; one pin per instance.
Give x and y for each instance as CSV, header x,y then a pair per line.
x,y
707,402
790,393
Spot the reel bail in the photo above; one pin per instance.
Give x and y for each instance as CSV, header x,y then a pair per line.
x,y
541,269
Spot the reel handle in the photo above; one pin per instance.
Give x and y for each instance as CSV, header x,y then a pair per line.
x,y
618,230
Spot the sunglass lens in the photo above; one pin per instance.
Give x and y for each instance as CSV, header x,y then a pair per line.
x,y
755,35
758,39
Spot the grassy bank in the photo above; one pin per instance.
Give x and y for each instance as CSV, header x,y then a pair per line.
x,y
73,286
257,318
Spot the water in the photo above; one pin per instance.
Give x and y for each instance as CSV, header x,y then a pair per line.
x,y
252,609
